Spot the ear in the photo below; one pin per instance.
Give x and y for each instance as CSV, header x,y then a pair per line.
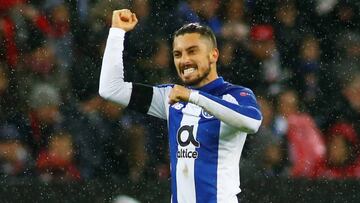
x,y
214,55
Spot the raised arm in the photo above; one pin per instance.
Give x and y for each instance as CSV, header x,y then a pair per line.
x,y
112,85
139,97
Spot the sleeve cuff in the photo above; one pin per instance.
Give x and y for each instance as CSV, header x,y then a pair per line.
x,y
194,97
116,32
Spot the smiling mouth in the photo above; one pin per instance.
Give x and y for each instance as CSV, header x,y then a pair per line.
x,y
188,70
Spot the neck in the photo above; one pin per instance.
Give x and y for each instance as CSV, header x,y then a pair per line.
x,y
204,82
210,77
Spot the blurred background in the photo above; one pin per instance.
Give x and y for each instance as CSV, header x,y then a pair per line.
x,y
60,142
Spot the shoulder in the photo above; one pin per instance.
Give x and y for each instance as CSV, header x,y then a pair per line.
x,y
241,94
165,86
162,90
237,90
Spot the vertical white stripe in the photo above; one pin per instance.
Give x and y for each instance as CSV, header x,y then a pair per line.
x,y
185,179
231,142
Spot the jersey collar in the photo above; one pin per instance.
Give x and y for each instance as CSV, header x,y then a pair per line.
x,y
211,86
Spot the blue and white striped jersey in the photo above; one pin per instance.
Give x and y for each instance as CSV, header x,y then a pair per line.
x,y
206,134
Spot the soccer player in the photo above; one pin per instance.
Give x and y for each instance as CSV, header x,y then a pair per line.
x,y
208,118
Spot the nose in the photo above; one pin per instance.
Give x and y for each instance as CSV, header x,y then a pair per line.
x,y
184,60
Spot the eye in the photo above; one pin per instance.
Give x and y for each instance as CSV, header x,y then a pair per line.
x,y
176,54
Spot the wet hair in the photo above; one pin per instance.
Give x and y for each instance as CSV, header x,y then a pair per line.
x,y
203,30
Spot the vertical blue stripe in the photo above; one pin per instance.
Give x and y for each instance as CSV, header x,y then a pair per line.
x,y
207,161
175,117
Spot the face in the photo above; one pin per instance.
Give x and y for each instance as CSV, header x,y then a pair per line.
x,y
42,60
195,59
48,114
288,103
60,14
263,49
4,82
235,10
310,50
61,147
267,111
287,14
352,93
111,110
338,151
273,154
141,8
162,57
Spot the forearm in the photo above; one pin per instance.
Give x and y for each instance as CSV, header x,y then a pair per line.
x,y
112,85
244,117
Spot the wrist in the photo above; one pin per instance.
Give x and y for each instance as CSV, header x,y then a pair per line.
x,y
114,31
194,96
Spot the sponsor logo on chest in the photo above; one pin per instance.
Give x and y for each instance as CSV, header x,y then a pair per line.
x,y
187,142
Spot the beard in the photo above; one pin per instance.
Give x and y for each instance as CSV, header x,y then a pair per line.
x,y
198,79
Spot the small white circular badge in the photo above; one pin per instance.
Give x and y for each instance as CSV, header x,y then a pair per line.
x,y
206,114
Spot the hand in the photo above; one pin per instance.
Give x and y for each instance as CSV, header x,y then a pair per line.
x,y
179,93
124,19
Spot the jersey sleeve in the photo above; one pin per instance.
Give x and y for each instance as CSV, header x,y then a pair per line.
x,y
112,85
139,97
238,108
159,104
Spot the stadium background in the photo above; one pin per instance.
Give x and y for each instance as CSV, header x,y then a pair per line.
x,y
60,142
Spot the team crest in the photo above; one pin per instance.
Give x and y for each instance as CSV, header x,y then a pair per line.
x,y
206,114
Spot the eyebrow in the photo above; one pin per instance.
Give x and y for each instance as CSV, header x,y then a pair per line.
x,y
187,49
192,47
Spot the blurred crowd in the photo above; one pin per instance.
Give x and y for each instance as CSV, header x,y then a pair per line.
x,y
301,58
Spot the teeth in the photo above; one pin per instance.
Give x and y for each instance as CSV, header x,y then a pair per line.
x,y
188,71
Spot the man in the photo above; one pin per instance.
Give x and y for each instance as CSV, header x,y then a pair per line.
x,y
208,119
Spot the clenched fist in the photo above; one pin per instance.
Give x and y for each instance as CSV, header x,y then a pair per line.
x,y
179,93
124,19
